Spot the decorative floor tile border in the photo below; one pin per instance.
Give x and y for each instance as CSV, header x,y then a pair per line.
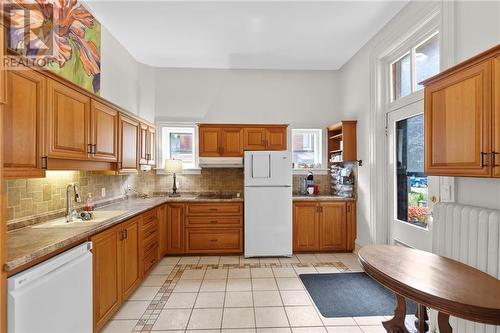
x,y
150,316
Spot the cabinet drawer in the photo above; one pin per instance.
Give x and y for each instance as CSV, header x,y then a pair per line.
x,y
216,221
150,244
150,232
213,240
150,259
149,217
215,208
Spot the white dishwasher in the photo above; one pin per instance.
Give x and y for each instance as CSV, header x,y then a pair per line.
x,y
54,296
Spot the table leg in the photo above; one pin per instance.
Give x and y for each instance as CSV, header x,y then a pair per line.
x,y
397,323
421,321
444,323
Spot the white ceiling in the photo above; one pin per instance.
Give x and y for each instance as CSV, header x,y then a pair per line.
x,y
244,34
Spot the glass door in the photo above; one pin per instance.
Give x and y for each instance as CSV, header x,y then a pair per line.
x,y
409,205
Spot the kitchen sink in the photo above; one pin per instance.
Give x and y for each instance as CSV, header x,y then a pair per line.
x,y
98,216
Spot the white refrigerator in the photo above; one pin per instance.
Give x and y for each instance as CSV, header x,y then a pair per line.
x,y
268,204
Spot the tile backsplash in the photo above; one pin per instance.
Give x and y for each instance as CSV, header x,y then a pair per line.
x,y
44,196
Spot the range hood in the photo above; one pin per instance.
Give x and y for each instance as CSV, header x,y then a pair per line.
x,y
221,162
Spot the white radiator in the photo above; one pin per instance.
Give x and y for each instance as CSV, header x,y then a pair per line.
x,y
470,235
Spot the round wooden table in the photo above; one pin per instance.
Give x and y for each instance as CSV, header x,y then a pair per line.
x,y
443,284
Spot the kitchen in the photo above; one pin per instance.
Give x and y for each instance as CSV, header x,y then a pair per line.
x,y
187,193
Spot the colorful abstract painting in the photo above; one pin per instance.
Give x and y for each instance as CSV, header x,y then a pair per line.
x,y
61,34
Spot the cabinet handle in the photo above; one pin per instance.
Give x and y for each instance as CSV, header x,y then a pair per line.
x,y
89,149
482,160
213,209
348,208
125,233
213,222
122,235
493,159
45,162
94,149
214,240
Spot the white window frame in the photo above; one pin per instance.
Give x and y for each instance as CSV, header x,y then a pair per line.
x,y
179,128
319,154
409,47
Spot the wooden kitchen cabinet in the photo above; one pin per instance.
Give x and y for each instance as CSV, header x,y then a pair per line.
x,y
324,226
496,118
129,145
461,118
151,146
254,138
305,226
231,141
107,275
68,122
332,226
214,240
23,127
210,141
131,256
104,132
150,240
265,138
175,228
162,230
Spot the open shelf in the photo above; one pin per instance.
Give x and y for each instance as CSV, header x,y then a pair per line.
x,y
342,140
336,137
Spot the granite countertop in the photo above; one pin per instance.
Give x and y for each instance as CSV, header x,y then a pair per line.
x,y
301,197
28,244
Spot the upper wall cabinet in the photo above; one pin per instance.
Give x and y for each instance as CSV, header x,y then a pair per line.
x,y
68,123
104,136
496,117
272,137
23,124
233,140
147,145
461,119
129,145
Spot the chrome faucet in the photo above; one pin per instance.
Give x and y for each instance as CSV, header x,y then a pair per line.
x,y
70,210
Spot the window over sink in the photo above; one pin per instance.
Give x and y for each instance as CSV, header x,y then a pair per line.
x,y
178,141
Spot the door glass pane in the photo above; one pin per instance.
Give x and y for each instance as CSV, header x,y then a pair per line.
x,y
181,147
411,182
427,60
401,77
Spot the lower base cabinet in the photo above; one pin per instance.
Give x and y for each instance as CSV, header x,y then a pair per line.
x,y
119,263
204,228
324,226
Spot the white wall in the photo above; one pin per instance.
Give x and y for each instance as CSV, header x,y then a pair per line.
x,y
119,73
300,98
147,92
477,28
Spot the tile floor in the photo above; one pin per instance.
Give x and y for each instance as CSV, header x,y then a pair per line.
x,y
232,294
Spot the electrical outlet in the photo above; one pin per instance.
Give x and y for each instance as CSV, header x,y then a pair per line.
x,y
103,192
129,187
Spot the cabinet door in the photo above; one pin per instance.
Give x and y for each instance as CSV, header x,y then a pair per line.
x,y
276,138
254,138
351,225
151,154
232,141
143,141
68,120
210,141
496,117
332,230
23,124
106,256
175,228
162,230
458,123
3,72
130,255
104,130
305,226
129,145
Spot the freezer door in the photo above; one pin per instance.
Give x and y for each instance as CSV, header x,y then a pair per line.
x,y
268,168
268,221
